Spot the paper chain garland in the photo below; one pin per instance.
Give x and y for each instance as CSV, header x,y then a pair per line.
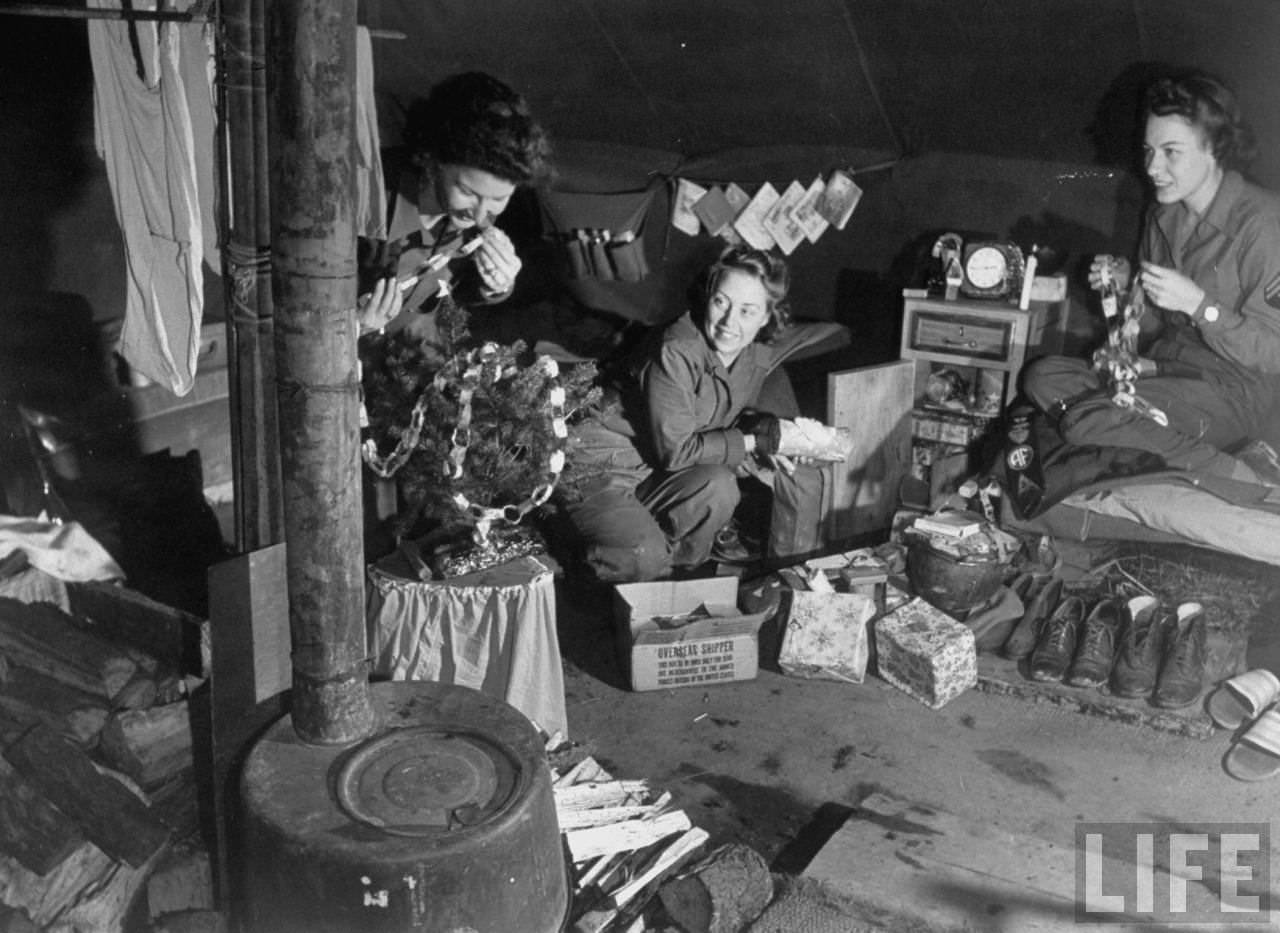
x,y
467,370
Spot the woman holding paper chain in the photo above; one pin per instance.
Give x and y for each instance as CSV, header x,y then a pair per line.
x,y
1210,271
468,146
681,434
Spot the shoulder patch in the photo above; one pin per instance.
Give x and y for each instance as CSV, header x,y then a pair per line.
x,y
1271,291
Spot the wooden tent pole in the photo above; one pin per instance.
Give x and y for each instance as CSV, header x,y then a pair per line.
x,y
311,81
259,517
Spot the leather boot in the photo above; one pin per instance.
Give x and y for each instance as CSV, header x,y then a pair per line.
x,y
1057,643
1141,645
1182,671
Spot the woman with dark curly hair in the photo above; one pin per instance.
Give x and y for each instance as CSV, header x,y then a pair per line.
x,y
1209,269
467,147
669,457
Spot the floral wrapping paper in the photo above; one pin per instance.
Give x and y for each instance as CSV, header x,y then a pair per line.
x,y
827,636
926,653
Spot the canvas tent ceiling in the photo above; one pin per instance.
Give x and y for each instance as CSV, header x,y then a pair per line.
x,y
1051,79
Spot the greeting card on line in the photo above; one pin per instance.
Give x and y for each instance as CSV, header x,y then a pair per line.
x,y
781,222
839,199
750,222
687,194
714,211
806,212
738,200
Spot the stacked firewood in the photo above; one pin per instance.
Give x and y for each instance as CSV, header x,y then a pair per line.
x,y
97,779
629,846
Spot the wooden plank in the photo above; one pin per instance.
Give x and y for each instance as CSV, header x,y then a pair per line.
x,y
111,816
914,862
940,870
251,674
249,611
874,403
172,636
32,829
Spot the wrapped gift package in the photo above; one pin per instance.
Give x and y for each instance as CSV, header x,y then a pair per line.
x,y
826,636
926,653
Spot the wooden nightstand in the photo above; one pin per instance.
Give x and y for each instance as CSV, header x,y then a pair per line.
x,y
968,355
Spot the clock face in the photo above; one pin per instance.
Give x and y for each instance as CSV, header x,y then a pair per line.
x,y
986,267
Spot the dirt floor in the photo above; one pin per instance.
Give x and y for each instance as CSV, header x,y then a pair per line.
x,y
780,762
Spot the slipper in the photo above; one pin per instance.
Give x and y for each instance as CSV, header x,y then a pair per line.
x,y
1241,698
1256,754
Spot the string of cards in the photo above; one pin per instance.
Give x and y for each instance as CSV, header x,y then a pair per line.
x,y
766,219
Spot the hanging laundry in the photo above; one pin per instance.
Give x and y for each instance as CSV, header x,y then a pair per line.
x,y
143,130
371,189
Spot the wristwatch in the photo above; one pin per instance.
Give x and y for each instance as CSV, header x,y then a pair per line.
x,y
1210,313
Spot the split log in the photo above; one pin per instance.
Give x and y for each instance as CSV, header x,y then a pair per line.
x,y
28,698
32,830
620,907
110,815
589,795
150,745
603,816
723,893
42,638
588,769
138,693
634,834
182,881
176,638
89,891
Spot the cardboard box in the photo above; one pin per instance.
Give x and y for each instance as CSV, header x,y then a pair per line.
x,y
662,652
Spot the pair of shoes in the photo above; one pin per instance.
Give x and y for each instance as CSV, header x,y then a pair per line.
x,y
1255,754
1040,600
1262,458
1183,659
1077,643
1162,653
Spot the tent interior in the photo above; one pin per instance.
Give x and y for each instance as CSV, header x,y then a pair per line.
x,y
1002,120
998,120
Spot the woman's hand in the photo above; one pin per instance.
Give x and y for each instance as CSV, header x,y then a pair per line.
x,y
1170,289
1121,272
497,263
379,307
787,464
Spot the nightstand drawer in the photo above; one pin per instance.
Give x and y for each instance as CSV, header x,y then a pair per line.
x,y
961,334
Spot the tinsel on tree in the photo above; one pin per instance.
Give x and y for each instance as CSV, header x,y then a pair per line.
x,y
506,454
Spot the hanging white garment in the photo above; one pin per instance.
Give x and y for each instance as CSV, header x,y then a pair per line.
x,y
144,136
371,193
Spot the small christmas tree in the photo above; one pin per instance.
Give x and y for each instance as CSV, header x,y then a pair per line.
x,y
476,433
